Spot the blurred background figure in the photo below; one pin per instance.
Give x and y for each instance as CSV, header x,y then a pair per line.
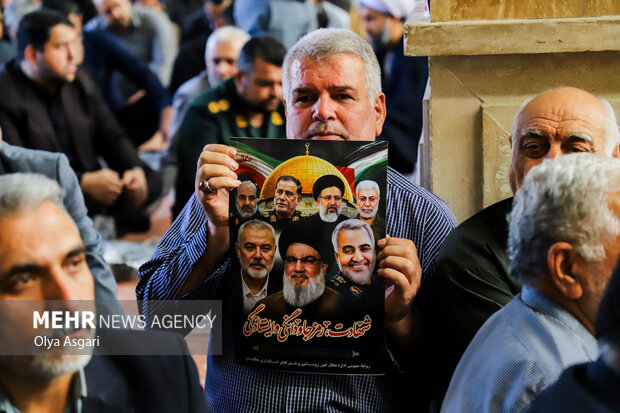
x,y
403,78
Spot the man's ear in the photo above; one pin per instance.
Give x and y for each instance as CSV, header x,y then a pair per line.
x,y
562,263
238,79
510,141
238,250
616,152
381,112
30,54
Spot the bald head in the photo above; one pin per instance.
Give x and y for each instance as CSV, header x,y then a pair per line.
x,y
557,122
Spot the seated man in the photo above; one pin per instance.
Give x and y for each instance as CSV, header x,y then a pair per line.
x,y
48,103
563,242
220,56
332,90
56,166
592,387
42,257
472,268
246,105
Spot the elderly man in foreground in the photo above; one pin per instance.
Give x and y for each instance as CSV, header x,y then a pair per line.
x,y
564,240
332,90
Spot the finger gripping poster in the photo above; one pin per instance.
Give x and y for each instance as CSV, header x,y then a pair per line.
x,y
304,226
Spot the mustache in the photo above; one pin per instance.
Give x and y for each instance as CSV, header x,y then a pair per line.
x,y
320,127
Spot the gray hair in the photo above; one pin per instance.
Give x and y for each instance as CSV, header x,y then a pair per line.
x,y
366,185
322,44
564,199
256,224
612,134
352,224
225,34
22,192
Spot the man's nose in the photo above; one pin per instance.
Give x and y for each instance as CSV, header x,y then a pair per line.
x,y
60,286
358,256
323,109
257,253
555,151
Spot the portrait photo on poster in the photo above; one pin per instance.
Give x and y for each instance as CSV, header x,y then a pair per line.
x,y
304,227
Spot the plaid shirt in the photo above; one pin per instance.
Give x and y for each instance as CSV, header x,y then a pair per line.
x,y
414,214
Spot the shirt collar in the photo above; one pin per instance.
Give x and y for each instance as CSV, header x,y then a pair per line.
x,y
546,305
248,292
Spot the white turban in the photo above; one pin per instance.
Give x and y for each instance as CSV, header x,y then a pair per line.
x,y
397,8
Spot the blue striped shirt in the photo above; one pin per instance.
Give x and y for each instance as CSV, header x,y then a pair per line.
x,y
522,349
413,213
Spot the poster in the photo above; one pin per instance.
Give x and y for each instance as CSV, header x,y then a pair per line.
x,y
304,226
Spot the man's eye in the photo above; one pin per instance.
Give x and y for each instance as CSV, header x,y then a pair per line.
x,y
303,99
347,250
579,148
343,96
535,150
20,281
75,263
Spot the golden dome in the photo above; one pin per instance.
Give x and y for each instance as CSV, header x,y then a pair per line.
x,y
307,169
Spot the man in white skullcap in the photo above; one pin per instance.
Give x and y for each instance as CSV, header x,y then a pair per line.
x,y
403,78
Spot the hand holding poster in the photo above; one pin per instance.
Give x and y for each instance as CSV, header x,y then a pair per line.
x,y
305,224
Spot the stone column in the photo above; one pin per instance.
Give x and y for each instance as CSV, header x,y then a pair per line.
x,y
486,57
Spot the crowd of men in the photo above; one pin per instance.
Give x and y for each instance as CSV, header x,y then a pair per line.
x,y
512,310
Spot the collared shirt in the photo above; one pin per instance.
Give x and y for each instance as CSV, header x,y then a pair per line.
x,y
517,353
249,298
415,214
74,399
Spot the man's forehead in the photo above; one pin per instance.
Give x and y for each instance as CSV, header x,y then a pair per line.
x,y
257,233
354,233
331,189
345,70
299,248
367,191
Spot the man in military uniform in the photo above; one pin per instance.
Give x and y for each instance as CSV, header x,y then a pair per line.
x,y
327,191
285,200
354,248
246,105
368,198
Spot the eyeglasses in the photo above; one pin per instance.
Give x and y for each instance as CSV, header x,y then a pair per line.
x,y
288,194
329,198
306,261
367,198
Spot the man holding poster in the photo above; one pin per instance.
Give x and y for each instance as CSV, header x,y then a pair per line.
x,y
325,98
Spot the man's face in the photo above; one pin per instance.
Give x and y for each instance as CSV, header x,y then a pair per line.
x,y
594,276
328,100
255,251
57,63
367,203
556,123
116,13
330,201
286,199
42,257
246,200
376,26
302,264
356,255
221,60
261,89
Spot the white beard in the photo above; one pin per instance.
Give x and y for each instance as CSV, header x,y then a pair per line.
x,y
257,273
245,215
371,214
328,216
301,296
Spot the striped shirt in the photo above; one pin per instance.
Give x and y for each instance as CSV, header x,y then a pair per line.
x,y
522,349
414,214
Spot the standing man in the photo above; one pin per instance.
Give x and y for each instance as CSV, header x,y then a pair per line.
x,y
246,105
256,248
332,90
368,198
403,78
473,280
48,103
